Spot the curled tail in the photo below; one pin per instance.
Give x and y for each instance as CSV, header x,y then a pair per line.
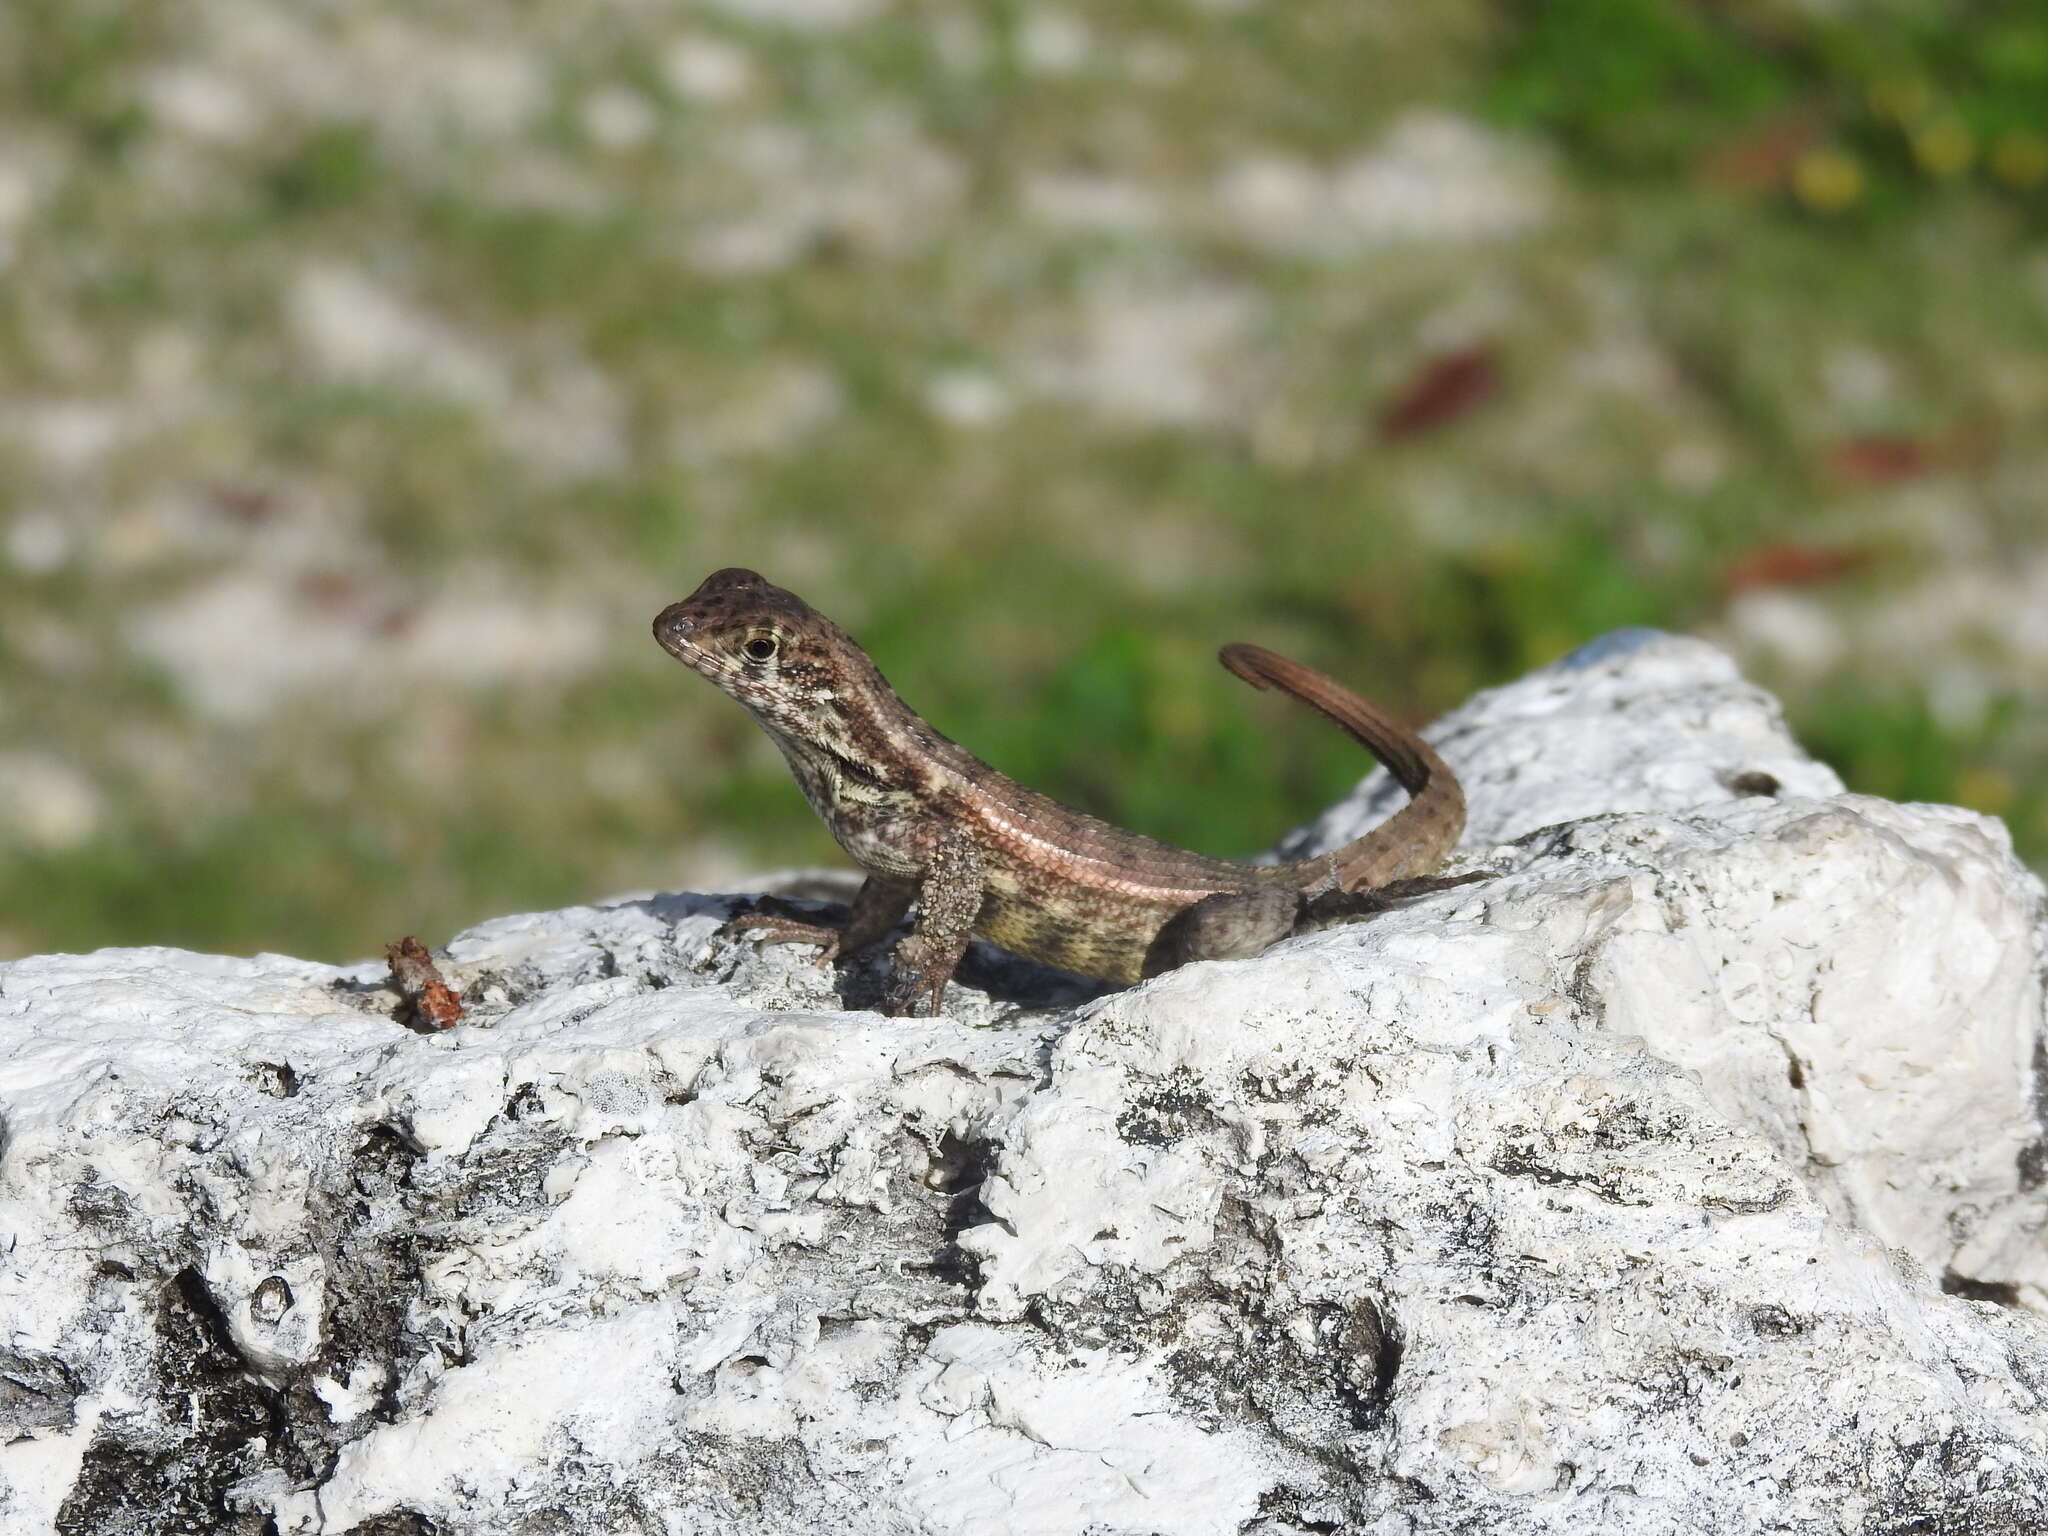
x,y
1415,839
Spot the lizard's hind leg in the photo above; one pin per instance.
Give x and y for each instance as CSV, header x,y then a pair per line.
x,y
1235,925
1226,925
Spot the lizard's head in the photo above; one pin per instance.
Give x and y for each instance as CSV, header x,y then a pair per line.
x,y
768,648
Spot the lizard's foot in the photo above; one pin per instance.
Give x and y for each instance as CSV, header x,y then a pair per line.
x,y
774,929
913,995
924,964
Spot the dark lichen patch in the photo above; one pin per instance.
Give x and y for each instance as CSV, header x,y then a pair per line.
x,y
1752,1205
95,1202
37,1391
1529,1160
168,1474
1774,1322
1316,1379
525,1103
742,1482
495,991
1294,1510
1168,1114
397,1522
373,1258
1595,1151
500,1172
1963,1484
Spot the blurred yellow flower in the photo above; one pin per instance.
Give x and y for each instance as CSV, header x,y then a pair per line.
x,y
1944,147
1827,179
1902,99
2020,159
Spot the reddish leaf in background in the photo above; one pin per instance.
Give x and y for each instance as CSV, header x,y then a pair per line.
x,y
1880,460
1763,157
1792,565
244,504
1441,391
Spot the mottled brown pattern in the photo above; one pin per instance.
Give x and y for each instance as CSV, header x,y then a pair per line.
x,y
987,855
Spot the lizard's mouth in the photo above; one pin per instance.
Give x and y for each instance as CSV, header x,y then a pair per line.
x,y
673,628
676,631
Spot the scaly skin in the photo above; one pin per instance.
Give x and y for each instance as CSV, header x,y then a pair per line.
x,y
979,853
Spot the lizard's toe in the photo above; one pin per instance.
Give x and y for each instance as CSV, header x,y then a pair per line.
x,y
911,996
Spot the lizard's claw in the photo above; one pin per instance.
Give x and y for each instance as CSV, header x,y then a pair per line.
x,y
908,991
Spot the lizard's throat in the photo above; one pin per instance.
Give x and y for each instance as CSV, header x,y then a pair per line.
x,y
812,763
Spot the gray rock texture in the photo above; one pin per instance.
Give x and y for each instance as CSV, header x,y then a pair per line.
x,y
1684,1174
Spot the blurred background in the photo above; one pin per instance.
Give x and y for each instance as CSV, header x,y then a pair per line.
x,y
371,373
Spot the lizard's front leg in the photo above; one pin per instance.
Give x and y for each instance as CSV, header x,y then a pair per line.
x,y
948,902
876,907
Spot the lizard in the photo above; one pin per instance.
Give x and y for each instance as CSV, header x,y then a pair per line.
x,y
928,823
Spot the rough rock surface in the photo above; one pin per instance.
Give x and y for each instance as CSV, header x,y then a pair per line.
x,y
1628,1190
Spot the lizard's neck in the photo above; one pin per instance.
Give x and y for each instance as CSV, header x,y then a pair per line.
x,y
868,740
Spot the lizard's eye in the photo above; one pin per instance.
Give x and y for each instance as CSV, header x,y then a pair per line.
x,y
760,648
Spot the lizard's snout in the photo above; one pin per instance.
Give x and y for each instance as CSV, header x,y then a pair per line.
x,y
671,625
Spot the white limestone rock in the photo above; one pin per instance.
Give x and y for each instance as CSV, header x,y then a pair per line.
x,y
1613,1193
1860,981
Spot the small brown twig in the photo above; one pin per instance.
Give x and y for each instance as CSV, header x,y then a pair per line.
x,y
426,1002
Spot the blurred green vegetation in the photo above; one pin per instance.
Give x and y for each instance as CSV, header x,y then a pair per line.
x,y
1895,95
1775,344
